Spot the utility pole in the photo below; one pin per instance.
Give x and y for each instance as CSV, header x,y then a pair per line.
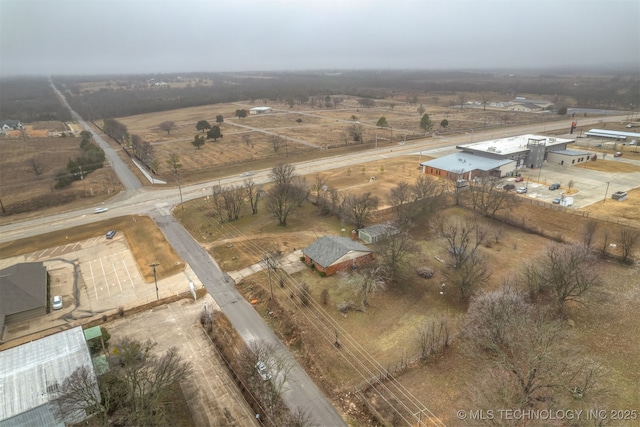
x,y
84,186
155,280
605,194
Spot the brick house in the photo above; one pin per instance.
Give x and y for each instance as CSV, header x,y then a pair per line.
x,y
331,254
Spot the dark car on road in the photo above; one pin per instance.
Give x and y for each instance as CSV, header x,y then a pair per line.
x,y
554,186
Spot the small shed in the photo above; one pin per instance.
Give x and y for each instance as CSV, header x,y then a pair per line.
x,y
331,254
376,232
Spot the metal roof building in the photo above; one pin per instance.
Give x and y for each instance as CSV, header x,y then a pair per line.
x,y
31,374
614,134
496,157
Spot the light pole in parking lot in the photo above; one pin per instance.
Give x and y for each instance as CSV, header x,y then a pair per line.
x,y
155,280
605,194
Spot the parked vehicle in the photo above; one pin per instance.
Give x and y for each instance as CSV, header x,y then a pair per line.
x,y
554,186
508,187
567,201
557,200
598,145
56,303
110,234
263,371
521,190
519,179
618,154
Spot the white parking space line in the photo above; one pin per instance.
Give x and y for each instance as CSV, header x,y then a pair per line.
x,y
43,252
54,250
104,274
115,271
76,245
93,280
128,274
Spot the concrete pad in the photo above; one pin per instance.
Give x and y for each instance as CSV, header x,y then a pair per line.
x,y
218,401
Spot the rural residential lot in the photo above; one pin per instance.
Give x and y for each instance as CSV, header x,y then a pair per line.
x,y
402,352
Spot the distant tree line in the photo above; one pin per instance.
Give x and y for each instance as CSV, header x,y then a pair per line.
x,y
319,90
30,99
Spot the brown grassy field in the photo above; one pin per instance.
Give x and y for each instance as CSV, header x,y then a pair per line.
x,y
24,191
146,241
318,128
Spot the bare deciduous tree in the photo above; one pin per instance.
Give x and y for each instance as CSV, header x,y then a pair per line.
x,y
136,388
432,338
282,173
394,250
80,394
588,233
567,271
529,363
357,210
473,272
286,194
504,329
467,267
167,126
427,193
399,197
229,201
320,188
253,194
36,166
629,238
487,196
276,142
356,133
366,281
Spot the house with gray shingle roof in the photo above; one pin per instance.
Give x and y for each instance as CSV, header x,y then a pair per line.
x,y
330,254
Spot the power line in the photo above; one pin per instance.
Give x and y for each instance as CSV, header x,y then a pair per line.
x,y
327,327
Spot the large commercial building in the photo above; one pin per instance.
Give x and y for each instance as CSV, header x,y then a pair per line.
x,y
503,157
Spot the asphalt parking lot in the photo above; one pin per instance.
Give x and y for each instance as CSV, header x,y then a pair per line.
x,y
93,276
590,186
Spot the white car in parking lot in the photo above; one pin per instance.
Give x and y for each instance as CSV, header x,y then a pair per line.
x,y
521,190
56,302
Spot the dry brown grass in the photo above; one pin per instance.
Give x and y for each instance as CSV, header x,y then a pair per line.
x,y
319,127
22,190
387,329
614,210
610,166
146,241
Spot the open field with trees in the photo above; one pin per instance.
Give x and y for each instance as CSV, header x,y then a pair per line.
x,y
477,299
419,331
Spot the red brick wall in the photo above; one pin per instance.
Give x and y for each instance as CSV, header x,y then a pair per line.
x,y
332,269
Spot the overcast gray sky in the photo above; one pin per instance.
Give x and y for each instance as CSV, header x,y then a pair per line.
x,y
157,36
